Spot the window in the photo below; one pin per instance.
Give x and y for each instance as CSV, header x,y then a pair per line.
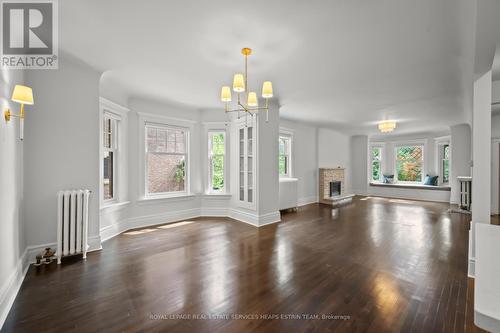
x,y
445,163
376,164
109,130
216,158
166,159
409,163
285,143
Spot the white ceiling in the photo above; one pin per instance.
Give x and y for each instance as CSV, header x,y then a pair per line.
x,y
341,64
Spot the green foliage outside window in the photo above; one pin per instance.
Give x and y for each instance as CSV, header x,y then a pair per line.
x,y
446,163
218,161
409,163
376,166
180,172
283,156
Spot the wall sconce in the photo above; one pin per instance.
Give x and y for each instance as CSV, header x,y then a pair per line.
x,y
22,95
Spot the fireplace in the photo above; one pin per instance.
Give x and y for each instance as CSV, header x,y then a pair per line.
x,y
335,188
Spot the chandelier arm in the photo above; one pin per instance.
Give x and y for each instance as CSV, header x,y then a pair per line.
x,y
246,75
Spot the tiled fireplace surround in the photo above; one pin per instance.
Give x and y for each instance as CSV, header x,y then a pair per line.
x,y
326,175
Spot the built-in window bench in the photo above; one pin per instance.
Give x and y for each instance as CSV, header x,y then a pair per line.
x,y
439,193
414,186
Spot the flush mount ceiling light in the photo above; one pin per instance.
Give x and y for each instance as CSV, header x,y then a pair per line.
x,y
387,126
240,86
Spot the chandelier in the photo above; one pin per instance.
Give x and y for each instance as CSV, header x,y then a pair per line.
x,y
240,86
387,126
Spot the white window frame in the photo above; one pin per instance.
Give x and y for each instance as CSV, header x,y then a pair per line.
x,y
439,158
371,160
186,130
211,132
119,113
289,137
113,149
395,158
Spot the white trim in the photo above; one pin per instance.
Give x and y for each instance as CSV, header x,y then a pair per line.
x,y
438,158
216,195
472,268
114,207
286,131
180,196
10,288
163,218
115,107
209,124
214,212
119,114
162,119
254,219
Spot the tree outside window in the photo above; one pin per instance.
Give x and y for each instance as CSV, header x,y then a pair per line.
x,y
376,159
409,163
217,150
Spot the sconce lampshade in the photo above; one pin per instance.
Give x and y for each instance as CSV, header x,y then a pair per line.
x,y
252,99
225,94
267,89
239,83
22,95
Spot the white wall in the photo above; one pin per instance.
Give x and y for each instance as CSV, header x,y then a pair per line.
x,y
481,156
359,164
304,159
495,157
481,140
61,146
267,167
334,150
12,240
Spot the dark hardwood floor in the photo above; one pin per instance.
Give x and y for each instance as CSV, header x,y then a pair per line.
x,y
387,265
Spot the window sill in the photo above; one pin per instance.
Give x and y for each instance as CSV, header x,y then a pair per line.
x,y
114,206
216,195
169,197
288,179
413,186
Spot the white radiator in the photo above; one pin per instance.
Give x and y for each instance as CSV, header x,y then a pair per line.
x,y
72,223
288,193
